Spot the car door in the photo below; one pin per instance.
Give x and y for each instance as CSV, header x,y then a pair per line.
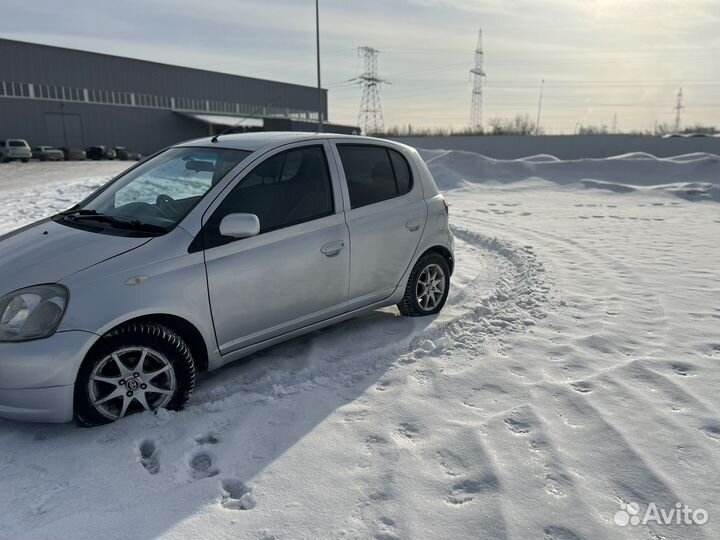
x,y
386,215
296,271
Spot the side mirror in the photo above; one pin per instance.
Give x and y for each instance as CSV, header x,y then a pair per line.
x,y
240,225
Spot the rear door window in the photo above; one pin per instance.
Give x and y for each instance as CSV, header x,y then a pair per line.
x,y
374,173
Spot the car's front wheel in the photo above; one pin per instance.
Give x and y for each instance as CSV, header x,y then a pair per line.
x,y
427,288
134,368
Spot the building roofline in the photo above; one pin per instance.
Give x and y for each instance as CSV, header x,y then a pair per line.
x,y
164,64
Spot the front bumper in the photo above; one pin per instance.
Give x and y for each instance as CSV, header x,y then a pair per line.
x,y
53,404
37,378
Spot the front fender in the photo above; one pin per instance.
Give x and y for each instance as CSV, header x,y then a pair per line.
x,y
116,291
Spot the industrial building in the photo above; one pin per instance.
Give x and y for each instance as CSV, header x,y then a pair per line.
x,y
74,99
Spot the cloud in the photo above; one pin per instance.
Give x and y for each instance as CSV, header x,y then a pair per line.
x,y
427,50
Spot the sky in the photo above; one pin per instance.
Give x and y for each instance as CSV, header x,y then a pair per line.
x,y
604,62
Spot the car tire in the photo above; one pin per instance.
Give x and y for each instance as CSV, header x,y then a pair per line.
x,y
24,160
171,372
427,287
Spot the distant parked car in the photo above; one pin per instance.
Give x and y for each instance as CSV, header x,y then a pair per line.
x,y
100,152
47,153
123,153
15,149
73,154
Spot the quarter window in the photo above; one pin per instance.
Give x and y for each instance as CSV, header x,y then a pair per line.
x,y
374,173
402,172
286,189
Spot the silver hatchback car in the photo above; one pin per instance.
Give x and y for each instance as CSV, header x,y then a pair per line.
x,y
206,252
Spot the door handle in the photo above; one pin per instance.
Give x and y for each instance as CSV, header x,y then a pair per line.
x,y
414,224
333,248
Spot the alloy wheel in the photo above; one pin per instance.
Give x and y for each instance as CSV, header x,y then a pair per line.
x,y
430,287
130,380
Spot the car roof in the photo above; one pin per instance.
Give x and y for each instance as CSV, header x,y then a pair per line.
x,y
260,139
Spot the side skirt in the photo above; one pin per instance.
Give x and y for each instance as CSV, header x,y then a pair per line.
x,y
250,349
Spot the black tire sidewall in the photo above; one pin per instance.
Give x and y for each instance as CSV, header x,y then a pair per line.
x,y
151,336
410,294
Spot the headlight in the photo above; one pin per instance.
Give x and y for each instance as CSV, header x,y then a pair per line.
x,y
32,313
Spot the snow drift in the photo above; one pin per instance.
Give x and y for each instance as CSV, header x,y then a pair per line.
x,y
691,176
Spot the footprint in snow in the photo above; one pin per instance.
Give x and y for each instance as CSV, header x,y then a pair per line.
x,y
375,439
712,431
553,532
681,368
583,387
237,496
208,438
149,456
465,491
201,465
408,430
520,422
386,530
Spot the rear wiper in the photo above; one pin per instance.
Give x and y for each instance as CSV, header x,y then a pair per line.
x,y
129,224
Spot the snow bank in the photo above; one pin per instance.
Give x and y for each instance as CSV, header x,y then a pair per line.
x,y
567,146
690,176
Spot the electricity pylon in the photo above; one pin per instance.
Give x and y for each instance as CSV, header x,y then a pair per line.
x,y
370,118
478,79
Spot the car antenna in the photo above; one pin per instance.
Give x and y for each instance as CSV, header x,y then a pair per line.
x,y
252,115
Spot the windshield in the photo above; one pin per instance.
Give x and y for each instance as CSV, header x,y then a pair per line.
x,y
161,191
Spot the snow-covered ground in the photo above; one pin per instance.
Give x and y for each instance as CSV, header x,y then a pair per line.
x,y
575,368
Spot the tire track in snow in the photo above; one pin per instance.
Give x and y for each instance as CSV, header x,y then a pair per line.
x,y
649,309
594,411
625,300
516,301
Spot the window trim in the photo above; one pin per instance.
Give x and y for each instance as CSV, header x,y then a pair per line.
x,y
204,240
387,149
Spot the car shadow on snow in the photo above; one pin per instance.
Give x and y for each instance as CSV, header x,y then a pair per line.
x,y
241,419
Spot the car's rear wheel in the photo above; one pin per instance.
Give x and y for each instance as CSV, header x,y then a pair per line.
x,y
135,368
427,288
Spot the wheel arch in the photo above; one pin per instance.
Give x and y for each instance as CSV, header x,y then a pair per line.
x,y
182,327
444,252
